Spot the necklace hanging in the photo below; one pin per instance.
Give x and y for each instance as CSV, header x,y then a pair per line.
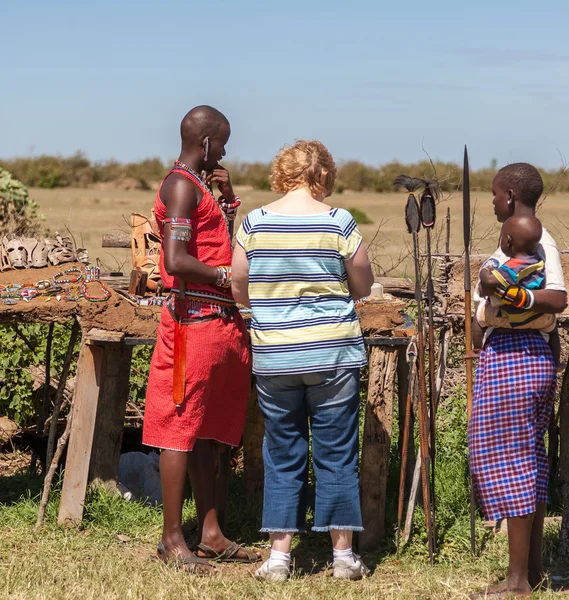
x,y
180,165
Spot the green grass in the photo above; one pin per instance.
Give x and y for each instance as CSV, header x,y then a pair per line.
x,y
110,557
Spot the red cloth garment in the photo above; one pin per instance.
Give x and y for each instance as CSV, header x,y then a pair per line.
x,y
218,379
217,363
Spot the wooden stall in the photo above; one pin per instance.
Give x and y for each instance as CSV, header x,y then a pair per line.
x,y
109,332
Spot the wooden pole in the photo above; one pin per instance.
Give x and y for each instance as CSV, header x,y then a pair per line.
x,y
406,442
445,337
61,444
59,393
376,445
88,381
45,402
111,410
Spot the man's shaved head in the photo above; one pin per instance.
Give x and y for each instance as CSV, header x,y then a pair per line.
x,y
200,122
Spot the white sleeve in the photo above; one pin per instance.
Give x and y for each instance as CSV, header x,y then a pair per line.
x,y
554,277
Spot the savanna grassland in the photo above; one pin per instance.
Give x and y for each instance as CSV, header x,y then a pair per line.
x,y
109,557
89,213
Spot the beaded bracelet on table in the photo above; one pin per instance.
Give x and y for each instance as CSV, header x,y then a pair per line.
x,y
92,273
57,280
73,293
106,292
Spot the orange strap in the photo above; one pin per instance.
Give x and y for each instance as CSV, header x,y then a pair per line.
x,y
179,370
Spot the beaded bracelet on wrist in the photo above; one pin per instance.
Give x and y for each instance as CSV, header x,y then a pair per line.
x,y
223,277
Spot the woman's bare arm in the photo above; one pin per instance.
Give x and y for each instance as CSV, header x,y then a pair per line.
x,y
240,276
360,275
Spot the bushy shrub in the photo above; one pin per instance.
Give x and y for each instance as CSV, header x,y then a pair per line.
x,y
77,170
359,216
18,212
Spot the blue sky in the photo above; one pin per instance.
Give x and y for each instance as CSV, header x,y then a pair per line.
x,y
373,80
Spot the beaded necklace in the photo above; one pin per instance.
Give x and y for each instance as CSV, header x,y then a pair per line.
x,y
180,165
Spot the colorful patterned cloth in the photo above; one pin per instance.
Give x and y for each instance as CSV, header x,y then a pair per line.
x,y
513,398
304,319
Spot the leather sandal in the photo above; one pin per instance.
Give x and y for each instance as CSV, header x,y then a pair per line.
x,y
229,554
191,564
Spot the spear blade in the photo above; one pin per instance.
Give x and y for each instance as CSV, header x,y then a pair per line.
x,y
466,219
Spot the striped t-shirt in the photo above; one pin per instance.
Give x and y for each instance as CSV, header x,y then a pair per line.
x,y
303,318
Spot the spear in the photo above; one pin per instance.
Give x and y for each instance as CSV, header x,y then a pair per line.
x,y
413,220
468,322
428,217
412,358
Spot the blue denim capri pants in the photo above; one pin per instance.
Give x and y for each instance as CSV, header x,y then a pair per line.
x,y
329,402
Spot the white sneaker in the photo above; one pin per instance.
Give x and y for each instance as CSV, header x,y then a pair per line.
x,y
343,570
275,573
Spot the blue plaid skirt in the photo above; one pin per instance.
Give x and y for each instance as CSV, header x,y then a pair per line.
x,y
513,399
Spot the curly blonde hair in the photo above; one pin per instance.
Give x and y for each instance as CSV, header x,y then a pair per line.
x,y
306,163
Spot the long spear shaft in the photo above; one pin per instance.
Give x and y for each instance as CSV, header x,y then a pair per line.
x,y
423,417
406,435
432,392
468,322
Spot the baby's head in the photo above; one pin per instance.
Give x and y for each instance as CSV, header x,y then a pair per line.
x,y
306,164
520,236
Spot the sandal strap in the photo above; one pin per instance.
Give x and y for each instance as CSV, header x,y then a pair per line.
x,y
230,552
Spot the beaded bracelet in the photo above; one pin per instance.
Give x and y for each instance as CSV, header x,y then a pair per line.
x,y
73,293
223,277
28,292
43,284
71,280
106,292
92,273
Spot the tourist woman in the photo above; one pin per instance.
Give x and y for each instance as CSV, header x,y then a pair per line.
x,y
300,264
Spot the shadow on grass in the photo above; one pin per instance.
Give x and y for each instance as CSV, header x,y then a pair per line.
x,y
18,486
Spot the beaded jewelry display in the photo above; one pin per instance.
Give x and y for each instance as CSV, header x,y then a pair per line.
x,y
105,291
57,277
223,277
